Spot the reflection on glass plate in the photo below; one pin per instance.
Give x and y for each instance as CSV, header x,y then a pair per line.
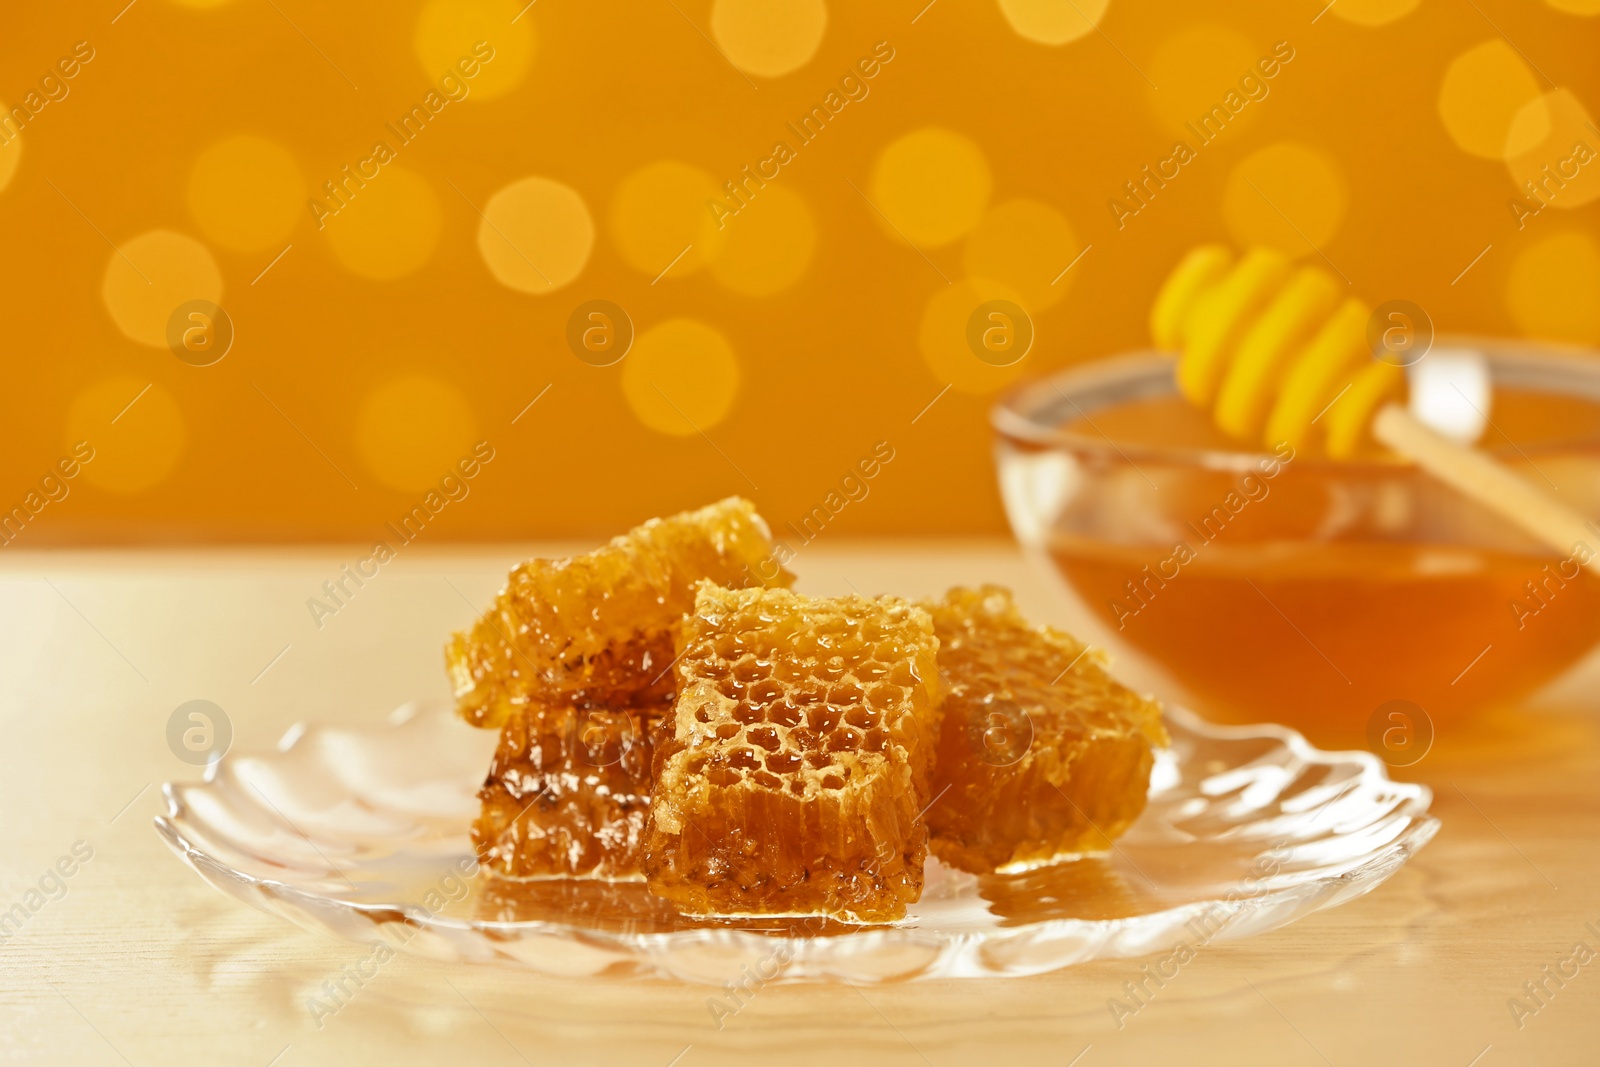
x,y
362,832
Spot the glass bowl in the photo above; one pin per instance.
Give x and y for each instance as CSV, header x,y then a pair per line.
x,y
1274,586
362,832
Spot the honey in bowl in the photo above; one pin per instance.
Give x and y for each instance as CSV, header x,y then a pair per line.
x,y
1287,587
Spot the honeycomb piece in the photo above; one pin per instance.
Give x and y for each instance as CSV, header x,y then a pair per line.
x,y
599,623
1041,753
568,791
792,774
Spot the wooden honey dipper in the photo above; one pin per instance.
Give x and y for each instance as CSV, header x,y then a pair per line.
x,y
1271,350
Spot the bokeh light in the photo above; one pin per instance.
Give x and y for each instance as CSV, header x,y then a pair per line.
x,y
681,377
660,219
1483,90
606,157
1054,22
931,185
1563,165
389,228
1026,246
450,40
10,154
535,235
943,340
1194,70
1287,196
136,429
411,431
246,193
1553,291
148,277
1373,12
767,245
769,38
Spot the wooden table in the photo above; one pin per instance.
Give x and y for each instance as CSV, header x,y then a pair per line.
x,y
133,959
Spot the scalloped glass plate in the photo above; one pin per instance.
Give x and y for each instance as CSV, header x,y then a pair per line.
x,y
362,832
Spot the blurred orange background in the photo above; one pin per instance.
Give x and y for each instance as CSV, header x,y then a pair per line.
x,y
171,151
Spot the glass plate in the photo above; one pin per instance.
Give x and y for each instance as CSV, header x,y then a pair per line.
x,y
362,832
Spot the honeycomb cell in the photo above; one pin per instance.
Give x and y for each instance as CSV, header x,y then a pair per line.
x,y
600,623
1041,754
821,826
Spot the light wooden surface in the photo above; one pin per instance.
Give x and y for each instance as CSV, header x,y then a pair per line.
x,y
140,962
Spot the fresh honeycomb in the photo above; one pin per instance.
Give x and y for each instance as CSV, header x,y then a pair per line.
x,y
1041,753
568,791
600,622
793,772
